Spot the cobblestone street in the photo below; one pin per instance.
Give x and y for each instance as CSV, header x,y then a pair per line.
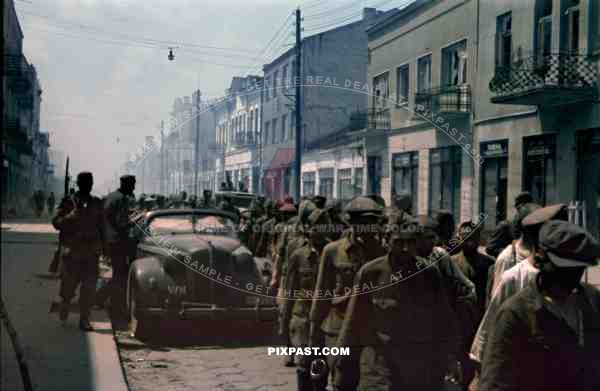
x,y
202,367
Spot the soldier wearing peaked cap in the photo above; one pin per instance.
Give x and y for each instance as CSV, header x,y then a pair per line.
x,y
339,263
79,218
547,337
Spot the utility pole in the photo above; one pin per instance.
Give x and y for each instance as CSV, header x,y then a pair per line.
x,y
162,158
197,147
298,161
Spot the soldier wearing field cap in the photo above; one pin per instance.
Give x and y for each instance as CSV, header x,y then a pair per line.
x,y
79,219
292,239
403,329
301,277
547,337
339,263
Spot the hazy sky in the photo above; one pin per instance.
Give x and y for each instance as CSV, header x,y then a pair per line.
x,y
104,71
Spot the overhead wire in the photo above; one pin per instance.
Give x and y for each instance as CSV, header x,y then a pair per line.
x,y
346,19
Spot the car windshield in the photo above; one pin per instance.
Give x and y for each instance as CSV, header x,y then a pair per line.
x,y
190,223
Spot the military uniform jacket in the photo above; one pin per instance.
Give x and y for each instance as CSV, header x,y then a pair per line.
x,y
116,212
340,261
301,278
284,239
397,323
80,221
530,348
263,248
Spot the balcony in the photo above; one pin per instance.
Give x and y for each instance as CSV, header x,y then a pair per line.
x,y
18,71
13,134
552,79
446,99
374,118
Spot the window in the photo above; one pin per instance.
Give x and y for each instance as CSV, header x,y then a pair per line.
x,y
381,88
293,126
402,83
256,127
284,77
444,179
504,40
539,174
494,181
326,182
358,181
274,131
424,73
543,42
308,183
374,170
266,86
275,83
454,64
267,140
405,175
344,184
572,28
283,128
594,36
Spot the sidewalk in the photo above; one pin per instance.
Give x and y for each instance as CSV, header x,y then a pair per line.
x,y
59,357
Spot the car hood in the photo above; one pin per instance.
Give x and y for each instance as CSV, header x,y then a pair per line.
x,y
193,243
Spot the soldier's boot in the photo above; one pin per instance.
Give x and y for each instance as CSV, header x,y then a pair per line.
x,y
304,382
288,360
85,325
63,310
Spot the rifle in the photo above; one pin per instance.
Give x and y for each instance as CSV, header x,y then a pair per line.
x,y
56,258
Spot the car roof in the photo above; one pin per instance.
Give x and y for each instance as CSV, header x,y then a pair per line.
x,y
186,211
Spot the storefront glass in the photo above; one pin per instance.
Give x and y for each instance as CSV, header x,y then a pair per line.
x,y
494,181
405,175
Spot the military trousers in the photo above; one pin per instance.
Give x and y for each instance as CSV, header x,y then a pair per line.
x,y
117,286
345,372
79,271
414,368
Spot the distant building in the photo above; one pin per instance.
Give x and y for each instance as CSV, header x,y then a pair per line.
x,y
20,118
238,134
330,60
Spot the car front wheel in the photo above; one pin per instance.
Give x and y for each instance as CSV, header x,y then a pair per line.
x,y
140,326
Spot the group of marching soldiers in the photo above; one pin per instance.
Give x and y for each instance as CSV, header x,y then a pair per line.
x,y
407,295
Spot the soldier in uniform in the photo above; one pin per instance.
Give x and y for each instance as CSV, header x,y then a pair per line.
x,y
80,221
338,265
266,231
207,199
474,265
116,212
403,328
301,277
289,243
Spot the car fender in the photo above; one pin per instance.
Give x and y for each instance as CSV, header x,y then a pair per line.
x,y
150,279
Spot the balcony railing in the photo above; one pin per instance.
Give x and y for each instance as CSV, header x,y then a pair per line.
x,y
445,99
559,78
374,118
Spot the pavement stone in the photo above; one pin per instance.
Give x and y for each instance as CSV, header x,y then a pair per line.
x,y
60,357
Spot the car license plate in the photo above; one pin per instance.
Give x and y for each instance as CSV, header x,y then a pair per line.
x,y
251,300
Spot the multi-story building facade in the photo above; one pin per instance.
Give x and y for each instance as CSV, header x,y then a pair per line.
x,y
330,60
238,128
421,71
537,122
21,94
